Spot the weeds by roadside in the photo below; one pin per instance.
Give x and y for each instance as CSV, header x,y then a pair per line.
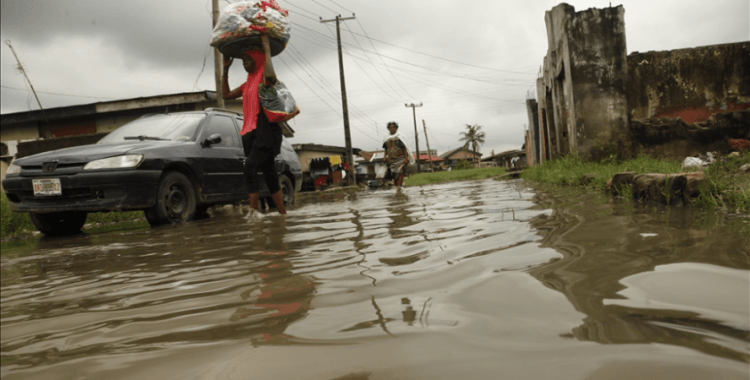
x,y
571,170
13,223
16,224
725,185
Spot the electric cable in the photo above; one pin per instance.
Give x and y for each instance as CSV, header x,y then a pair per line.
x,y
54,93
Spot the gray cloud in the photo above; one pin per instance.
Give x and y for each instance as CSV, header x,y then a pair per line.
x,y
91,50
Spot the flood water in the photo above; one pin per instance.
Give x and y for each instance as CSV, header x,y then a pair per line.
x,y
470,280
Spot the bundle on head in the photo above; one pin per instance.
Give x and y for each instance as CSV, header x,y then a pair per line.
x,y
245,20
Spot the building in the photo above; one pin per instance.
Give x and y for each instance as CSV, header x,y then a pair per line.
x,y
452,157
309,152
595,99
425,160
512,159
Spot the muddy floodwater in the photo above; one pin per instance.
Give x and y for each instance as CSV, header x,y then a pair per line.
x,y
469,280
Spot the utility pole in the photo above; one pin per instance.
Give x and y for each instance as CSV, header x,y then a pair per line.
x,y
218,61
428,145
416,135
347,134
20,68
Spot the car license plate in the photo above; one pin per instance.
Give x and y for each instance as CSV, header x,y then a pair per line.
x,y
46,187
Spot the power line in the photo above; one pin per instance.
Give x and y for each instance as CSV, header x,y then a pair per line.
x,y
308,86
373,65
445,59
303,9
434,70
337,4
381,58
319,97
328,9
53,93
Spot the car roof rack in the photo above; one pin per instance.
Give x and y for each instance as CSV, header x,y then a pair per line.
x,y
223,110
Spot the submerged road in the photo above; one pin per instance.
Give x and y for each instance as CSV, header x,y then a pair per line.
x,y
477,280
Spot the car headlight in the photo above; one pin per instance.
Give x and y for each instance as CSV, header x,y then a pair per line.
x,y
129,161
13,169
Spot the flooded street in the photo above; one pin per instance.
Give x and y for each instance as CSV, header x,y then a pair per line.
x,y
467,280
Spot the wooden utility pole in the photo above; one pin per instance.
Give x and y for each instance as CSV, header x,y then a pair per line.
x,y
347,134
22,70
218,61
416,135
428,144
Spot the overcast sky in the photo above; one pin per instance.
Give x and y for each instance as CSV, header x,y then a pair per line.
x,y
468,62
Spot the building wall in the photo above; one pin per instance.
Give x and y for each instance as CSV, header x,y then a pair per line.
x,y
598,101
532,137
691,84
598,78
109,122
462,155
22,131
582,104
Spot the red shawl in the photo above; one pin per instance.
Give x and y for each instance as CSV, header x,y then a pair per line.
x,y
250,99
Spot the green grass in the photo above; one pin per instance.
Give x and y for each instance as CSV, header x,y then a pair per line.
x,y
454,175
571,170
13,223
18,224
725,185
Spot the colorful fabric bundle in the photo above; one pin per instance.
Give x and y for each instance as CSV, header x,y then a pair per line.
x,y
244,19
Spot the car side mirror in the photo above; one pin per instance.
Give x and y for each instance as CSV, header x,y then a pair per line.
x,y
211,140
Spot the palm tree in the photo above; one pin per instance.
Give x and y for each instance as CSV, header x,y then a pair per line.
x,y
473,137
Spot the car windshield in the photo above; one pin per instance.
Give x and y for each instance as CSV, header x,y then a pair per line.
x,y
177,127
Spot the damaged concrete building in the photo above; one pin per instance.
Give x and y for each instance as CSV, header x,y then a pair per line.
x,y
595,99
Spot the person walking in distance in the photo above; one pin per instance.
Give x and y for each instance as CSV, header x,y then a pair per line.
x,y
261,139
397,154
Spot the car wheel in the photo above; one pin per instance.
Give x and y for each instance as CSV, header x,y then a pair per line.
x,y
59,223
175,201
287,190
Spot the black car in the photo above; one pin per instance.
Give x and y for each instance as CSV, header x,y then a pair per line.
x,y
172,166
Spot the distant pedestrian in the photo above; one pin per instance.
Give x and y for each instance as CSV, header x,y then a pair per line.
x,y
261,139
397,154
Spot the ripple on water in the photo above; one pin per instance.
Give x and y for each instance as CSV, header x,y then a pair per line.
x,y
479,264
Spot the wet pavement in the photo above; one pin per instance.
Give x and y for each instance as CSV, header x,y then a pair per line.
x,y
475,280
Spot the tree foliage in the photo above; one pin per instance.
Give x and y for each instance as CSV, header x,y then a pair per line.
x,y
473,137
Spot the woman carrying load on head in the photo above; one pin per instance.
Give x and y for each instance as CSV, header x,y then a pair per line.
x,y
397,153
261,139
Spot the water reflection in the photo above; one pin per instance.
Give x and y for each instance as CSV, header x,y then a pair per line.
x,y
606,245
481,277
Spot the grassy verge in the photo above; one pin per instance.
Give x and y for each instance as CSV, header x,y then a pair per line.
x,y
726,186
18,224
13,223
454,175
572,170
